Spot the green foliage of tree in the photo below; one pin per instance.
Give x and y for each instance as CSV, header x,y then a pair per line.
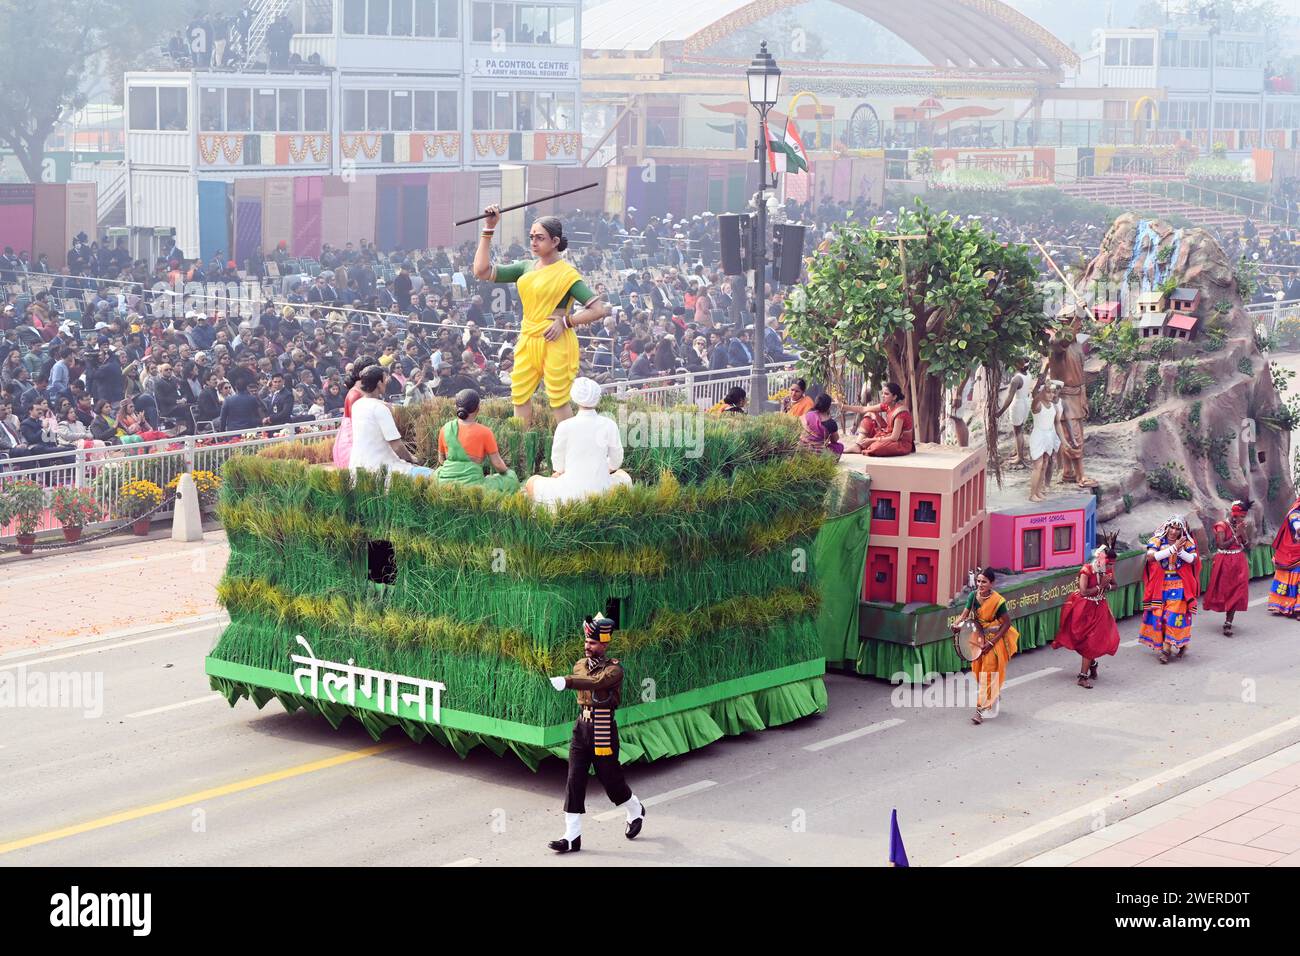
x,y
47,49
926,312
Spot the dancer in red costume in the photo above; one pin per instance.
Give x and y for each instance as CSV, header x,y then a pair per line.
x,y
1230,577
1087,626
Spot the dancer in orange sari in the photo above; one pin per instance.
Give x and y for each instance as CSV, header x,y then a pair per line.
x,y
1087,625
989,611
1230,577
1283,595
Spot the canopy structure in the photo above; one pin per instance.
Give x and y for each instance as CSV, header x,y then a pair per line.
x,y
961,34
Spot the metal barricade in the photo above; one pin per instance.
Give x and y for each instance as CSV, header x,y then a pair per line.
x,y
106,470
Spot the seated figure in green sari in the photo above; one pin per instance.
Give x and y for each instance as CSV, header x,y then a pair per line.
x,y
464,445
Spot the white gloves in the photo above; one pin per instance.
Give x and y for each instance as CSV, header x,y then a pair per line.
x,y
557,683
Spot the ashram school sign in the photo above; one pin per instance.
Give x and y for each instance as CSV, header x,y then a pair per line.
x,y
511,69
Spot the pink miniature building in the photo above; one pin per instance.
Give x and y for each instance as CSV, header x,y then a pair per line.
x,y
1108,312
1059,533
927,523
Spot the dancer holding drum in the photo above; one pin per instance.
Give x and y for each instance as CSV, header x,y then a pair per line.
x,y
989,646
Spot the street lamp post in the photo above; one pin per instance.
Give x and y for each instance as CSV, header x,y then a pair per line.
x,y
764,83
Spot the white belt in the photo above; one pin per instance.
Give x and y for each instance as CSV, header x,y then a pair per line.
x,y
1095,600
1237,551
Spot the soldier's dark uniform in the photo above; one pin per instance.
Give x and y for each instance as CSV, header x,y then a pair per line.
x,y
599,683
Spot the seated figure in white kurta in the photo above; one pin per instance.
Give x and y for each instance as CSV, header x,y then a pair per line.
x,y
585,455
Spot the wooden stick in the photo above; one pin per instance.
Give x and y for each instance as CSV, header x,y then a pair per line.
x,y
1077,298
531,202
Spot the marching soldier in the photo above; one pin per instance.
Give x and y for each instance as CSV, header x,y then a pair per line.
x,y
598,681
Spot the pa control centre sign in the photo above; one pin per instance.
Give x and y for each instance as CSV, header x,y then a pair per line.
x,y
507,68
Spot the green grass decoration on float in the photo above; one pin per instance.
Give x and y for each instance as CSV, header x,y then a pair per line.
x,y
709,555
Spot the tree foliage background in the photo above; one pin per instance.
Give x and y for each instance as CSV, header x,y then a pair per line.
x,y
49,51
924,312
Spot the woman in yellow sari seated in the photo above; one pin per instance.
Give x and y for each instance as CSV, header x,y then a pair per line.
x,y
464,445
547,350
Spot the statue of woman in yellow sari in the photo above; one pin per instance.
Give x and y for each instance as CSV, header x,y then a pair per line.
x,y
547,350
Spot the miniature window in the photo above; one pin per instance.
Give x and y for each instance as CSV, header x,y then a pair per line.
x,y
884,509
1063,539
925,513
1031,547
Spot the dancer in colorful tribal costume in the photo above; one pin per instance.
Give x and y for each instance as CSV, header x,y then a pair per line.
x,y
1282,597
989,611
598,680
1087,625
547,350
1171,585
1229,588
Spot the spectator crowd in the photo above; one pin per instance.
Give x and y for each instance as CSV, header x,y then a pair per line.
x,y
112,352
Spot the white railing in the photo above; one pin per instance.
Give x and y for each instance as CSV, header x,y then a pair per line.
x,y
706,389
105,470
1268,314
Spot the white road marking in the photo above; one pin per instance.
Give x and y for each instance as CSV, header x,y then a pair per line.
x,y
185,703
215,617
1026,678
467,861
89,568
1133,643
96,649
1119,797
1258,601
661,798
854,734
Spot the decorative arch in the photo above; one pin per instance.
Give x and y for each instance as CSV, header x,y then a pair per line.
x,y
983,34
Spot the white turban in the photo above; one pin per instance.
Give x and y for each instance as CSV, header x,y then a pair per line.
x,y
585,393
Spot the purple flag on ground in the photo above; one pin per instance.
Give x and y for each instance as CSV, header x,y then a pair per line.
x,y
897,855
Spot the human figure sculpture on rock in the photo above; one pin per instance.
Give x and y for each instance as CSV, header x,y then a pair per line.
x,y
586,454
1065,364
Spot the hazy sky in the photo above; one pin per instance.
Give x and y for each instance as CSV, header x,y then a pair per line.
x,y
1072,20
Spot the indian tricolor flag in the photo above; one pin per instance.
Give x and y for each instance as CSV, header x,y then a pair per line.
x,y
785,152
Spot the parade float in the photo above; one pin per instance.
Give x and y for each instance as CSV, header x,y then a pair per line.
x,y
1182,414
442,609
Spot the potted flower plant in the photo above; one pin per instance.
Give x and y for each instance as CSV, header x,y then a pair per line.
x,y
23,504
208,485
75,508
136,499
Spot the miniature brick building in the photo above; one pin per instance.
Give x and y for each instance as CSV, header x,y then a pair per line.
x,y
927,523
1108,312
1181,326
1040,536
1185,300
1149,302
1152,324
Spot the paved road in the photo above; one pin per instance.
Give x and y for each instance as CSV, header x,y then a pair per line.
x,y
199,783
